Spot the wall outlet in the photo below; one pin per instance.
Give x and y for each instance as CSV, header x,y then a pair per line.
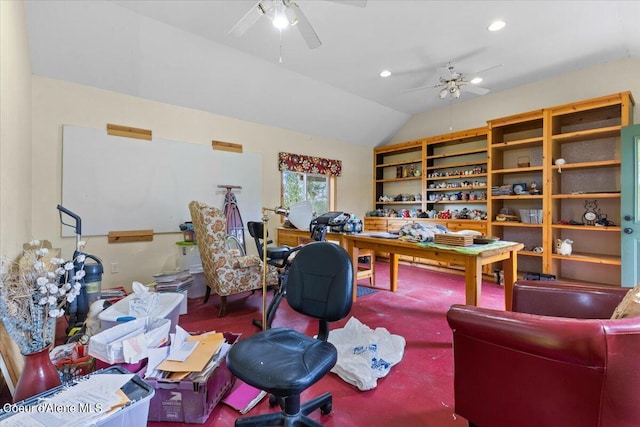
x,y
115,267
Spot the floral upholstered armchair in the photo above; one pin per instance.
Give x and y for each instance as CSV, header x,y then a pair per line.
x,y
226,271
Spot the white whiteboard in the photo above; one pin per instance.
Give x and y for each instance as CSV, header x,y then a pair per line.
x,y
118,184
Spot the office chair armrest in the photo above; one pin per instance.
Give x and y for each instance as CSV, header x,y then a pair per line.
x,y
246,261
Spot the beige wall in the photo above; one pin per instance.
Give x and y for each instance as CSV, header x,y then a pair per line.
x,y
15,130
15,150
604,79
56,103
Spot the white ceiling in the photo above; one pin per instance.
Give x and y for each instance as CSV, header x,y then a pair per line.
x,y
180,52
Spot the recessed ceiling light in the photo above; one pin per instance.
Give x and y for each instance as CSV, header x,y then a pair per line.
x,y
385,73
496,25
476,80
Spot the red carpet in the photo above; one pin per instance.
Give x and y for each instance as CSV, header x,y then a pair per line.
x,y
417,392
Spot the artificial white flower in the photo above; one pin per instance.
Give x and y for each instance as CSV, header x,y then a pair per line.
x,y
81,244
42,251
57,312
37,296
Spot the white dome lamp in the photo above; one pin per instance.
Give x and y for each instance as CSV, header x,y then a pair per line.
x,y
559,162
299,214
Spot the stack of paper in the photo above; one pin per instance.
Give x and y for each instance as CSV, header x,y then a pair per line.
x,y
173,281
170,276
86,403
188,356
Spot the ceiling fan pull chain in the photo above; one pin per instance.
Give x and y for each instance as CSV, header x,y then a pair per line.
x,y
450,115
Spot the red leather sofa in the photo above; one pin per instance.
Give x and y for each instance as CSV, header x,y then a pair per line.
x,y
555,360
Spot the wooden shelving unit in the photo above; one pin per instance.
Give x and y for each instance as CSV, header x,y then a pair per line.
x,y
399,170
516,151
587,135
456,174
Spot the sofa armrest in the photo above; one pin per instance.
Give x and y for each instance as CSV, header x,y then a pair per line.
x,y
563,299
574,341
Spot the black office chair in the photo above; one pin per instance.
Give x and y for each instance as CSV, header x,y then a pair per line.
x,y
276,255
285,362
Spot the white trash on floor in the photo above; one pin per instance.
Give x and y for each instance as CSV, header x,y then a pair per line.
x,y
364,355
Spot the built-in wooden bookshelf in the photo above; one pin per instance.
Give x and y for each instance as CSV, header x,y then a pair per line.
x,y
516,151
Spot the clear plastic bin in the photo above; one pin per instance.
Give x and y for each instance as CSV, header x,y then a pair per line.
x,y
531,216
168,308
134,413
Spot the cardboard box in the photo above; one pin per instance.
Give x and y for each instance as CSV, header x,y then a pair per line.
x,y
189,401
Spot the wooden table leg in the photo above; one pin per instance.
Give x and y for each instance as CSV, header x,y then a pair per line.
x,y
393,272
510,269
472,280
353,252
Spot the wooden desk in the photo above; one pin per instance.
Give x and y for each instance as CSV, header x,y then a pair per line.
x,y
473,260
294,237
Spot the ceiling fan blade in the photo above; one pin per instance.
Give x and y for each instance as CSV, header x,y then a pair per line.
x,y
250,18
476,89
422,87
298,18
486,69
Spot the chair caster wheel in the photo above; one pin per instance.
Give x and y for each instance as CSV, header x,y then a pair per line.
x,y
326,408
273,401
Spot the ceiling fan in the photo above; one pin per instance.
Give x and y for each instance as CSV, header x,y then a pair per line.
x,y
453,82
284,13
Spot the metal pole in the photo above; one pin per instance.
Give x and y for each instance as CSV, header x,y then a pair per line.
x,y
265,221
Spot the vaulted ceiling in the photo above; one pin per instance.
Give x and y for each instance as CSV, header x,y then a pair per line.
x,y
180,52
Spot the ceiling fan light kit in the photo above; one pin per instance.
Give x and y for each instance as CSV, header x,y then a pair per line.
x,y
454,83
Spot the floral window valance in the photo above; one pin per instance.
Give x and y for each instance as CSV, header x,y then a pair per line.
x,y
309,164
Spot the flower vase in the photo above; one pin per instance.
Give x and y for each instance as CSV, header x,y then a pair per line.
x,y
39,374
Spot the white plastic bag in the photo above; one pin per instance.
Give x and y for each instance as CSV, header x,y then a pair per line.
x,y
364,355
143,302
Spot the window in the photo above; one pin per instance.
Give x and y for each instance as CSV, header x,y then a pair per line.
x,y
299,186
309,178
